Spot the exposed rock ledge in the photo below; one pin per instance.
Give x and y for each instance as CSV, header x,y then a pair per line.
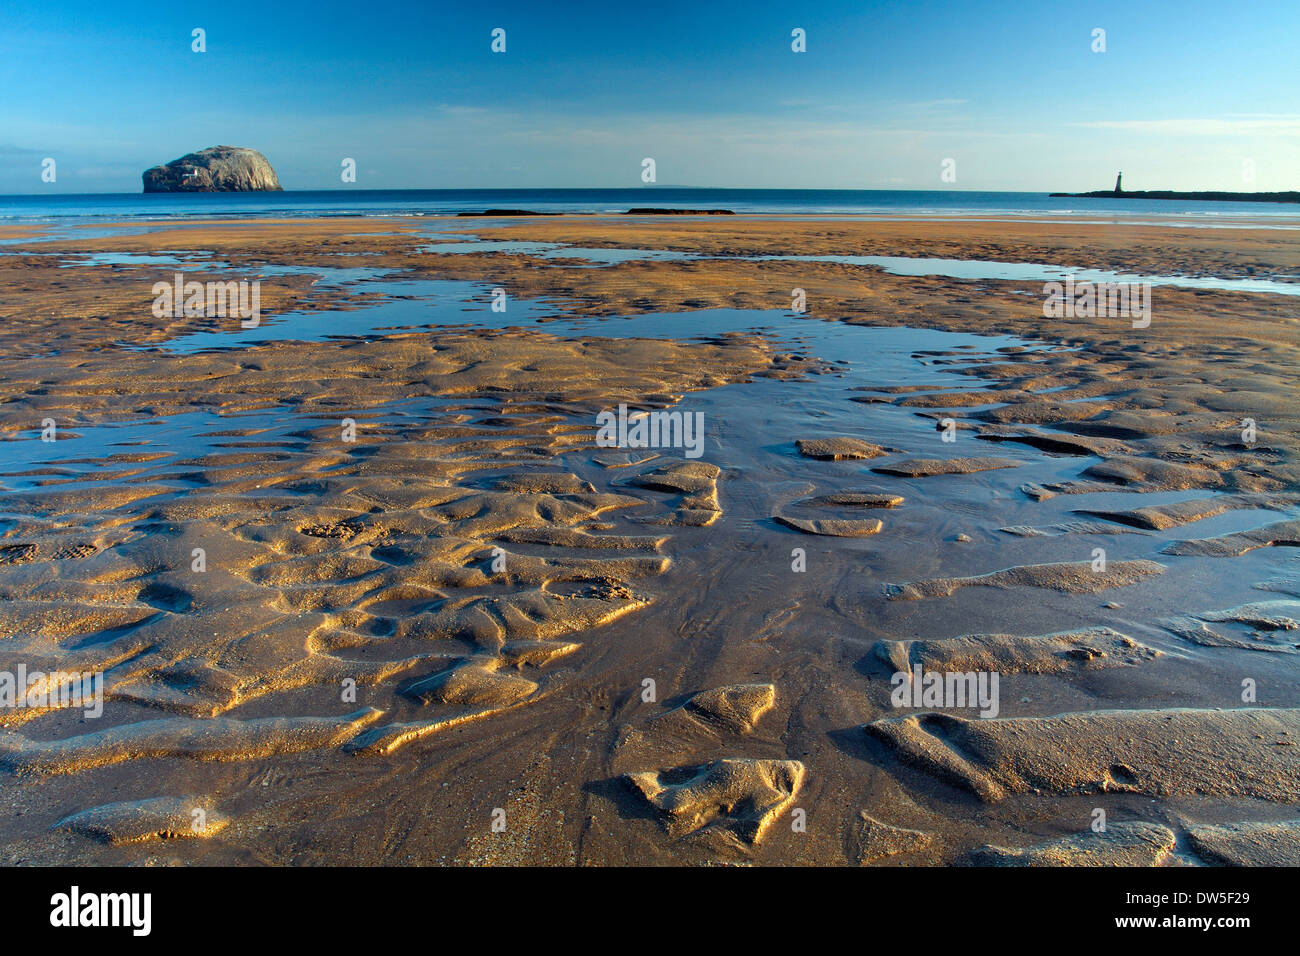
x,y
217,169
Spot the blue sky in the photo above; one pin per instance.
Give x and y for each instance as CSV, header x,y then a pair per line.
x,y
1188,95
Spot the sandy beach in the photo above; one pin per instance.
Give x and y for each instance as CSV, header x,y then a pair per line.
x,y
360,581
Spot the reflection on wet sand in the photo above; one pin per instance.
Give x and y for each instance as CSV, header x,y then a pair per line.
x,y
361,577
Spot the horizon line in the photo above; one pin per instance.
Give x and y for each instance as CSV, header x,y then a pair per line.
x,y
642,188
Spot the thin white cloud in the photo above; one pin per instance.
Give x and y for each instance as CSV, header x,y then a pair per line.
x,y
934,104
1280,124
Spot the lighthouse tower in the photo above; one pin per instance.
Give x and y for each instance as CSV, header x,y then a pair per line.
x,y
1119,188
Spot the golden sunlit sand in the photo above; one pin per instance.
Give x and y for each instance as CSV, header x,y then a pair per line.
x,y
455,607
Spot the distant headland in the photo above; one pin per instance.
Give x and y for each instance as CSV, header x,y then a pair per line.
x,y
217,169
1205,196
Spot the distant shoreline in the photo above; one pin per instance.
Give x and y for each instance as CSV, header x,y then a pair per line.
x,y
1170,194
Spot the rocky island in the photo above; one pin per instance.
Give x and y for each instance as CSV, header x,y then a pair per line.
x,y
1204,196
217,169
1210,196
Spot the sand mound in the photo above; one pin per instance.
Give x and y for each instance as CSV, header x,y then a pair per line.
x,y
1152,474
1036,491
735,708
219,738
1007,654
853,499
833,527
388,738
870,840
695,481
688,478
696,723
1275,624
158,818
1196,631
1248,844
624,459
740,795
471,683
930,467
838,449
1055,444
1067,527
1120,844
1265,615
1162,517
1226,753
534,614
571,538
1073,578
1283,534
534,483
535,653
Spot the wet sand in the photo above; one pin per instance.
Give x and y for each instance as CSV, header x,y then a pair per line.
x,y
457,612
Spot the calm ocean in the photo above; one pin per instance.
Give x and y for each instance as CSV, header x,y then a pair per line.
x,y
435,202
